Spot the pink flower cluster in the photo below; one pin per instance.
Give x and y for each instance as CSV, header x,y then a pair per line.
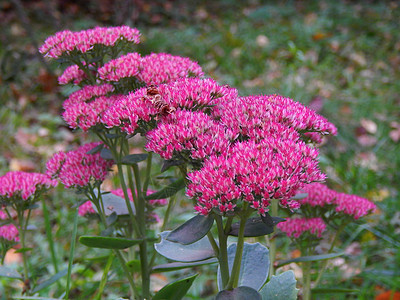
x,y
192,132
128,111
255,116
87,207
67,41
72,74
77,168
8,232
256,173
319,195
84,108
296,227
16,185
124,66
156,68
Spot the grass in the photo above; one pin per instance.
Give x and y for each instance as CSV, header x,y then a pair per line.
x,y
342,56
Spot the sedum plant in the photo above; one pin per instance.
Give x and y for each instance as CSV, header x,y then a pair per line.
x,y
240,159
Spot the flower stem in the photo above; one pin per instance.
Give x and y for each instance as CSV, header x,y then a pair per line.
x,y
223,251
49,235
272,243
306,280
234,278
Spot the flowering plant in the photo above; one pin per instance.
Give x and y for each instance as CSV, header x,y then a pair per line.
x,y
239,158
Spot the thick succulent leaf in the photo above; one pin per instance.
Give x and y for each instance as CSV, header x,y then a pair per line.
x,y
113,203
170,163
254,267
106,154
175,290
271,221
282,286
168,191
10,273
134,158
108,242
181,265
192,230
239,293
254,227
310,258
96,149
197,251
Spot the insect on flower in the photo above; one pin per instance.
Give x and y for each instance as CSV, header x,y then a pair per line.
x,y
153,95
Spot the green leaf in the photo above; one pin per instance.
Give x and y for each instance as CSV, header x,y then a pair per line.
x,y
254,267
106,242
192,230
22,250
271,221
168,191
197,251
10,273
50,281
254,227
175,290
134,265
96,149
180,265
132,159
113,203
310,258
333,291
170,163
106,154
282,286
239,293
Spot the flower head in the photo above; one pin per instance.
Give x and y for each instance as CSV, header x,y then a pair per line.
x,y
72,74
158,68
8,232
16,186
296,227
121,67
256,173
77,168
64,42
353,205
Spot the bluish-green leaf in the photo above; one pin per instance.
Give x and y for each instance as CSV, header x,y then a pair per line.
x,y
192,230
175,290
10,273
299,196
134,158
197,251
96,149
271,221
180,265
168,191
106,154
310,258
50,281
282,286
254,267
169,163
106,242
113,203
239,293
254,227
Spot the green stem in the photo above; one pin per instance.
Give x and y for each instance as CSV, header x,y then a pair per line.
x,y
22,239
141,217
333,243
223,251
234,278
104,277
306,280
49,235
148,173
272,244
71,253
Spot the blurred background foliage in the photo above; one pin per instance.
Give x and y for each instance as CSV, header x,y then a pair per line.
x,y
342,58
